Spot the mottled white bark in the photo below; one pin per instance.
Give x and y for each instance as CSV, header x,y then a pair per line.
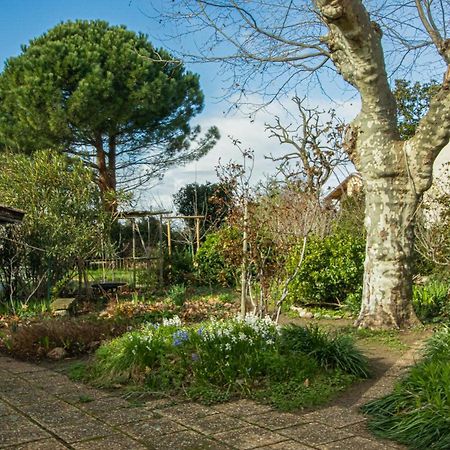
x,y
395,173
390,209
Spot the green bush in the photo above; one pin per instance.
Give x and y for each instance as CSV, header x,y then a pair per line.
x,y
64,220
417,413
431,300
177,294
218,359
332,269
181,266
215,260
352,304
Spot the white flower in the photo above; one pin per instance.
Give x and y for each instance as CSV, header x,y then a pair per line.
x,y
174,321
242,336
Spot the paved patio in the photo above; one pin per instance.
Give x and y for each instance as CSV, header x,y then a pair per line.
x,y
43,409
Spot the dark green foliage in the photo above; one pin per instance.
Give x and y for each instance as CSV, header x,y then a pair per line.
x,y
25,310
431,301
352,303
299,392
351,214
181,266
101,90
177,294
413,101
214,260
332,269
329,351
417,413
209,199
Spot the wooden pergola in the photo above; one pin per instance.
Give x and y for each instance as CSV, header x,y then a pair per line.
x,y
197,230
132,216
10,215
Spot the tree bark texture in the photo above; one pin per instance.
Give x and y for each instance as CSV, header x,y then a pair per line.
x,y
395,173
387,290
106,166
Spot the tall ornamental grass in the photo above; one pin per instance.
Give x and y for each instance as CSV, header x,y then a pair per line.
x,y
417,413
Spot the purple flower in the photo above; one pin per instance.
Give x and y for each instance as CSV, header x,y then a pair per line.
x,y
179,337
195,357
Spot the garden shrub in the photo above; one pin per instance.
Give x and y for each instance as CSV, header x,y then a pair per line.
x,y
214,259
417,413
180,266
352,303
217,359
332,269
64,220
74,335
25,310
431,301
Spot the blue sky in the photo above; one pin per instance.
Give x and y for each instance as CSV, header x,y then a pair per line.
x,y
22,20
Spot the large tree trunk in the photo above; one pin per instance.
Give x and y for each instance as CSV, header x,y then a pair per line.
x,y
106,166
395,173
391,204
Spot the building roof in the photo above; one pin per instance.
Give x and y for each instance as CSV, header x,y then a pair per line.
x,y
10,215
341,189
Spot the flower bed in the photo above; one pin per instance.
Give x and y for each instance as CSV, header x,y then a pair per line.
x,y
216,360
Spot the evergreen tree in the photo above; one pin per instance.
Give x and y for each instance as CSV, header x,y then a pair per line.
x,y
106,94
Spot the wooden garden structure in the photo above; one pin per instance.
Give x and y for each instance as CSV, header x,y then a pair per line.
x,y
197,230
137,240
132,216
10,215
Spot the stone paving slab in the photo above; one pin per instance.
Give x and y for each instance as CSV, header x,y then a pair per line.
x,y
5,409
189,411
274,420
16,429
43,409
151,429
124,415
186,440
242,408
334,416
249,437
113,442
315,434
288,445
215,423
81,431
43,444
356,443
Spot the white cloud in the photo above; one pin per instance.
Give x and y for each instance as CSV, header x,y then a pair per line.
x,y
251,134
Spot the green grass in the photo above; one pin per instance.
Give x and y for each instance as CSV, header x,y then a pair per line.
x,y
388,338
98,275
417,413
